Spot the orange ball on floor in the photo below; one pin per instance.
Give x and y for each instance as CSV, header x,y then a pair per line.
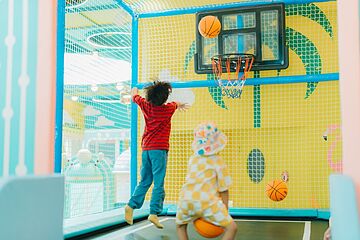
x,y
207,229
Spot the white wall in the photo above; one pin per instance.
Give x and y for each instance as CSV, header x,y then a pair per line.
x,y
349,56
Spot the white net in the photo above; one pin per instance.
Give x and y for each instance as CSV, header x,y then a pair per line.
x,y
271,129
96,107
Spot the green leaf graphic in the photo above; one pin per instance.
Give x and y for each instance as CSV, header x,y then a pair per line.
x,y
216,93
308,54
189,55
312,12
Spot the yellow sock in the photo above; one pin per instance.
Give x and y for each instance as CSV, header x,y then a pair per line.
x,y
129,214
155,220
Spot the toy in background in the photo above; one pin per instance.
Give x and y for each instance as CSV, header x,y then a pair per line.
x,y
277,190
89,184
285,176
84,156
333,132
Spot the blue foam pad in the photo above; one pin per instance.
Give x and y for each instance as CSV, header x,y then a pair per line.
x,y
32,207
343,209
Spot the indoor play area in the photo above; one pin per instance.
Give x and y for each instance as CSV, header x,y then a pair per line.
x,y
278,77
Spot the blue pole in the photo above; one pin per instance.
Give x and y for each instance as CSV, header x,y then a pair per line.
x,y
134,109
259,81
173,12
60,51
241,39
92,8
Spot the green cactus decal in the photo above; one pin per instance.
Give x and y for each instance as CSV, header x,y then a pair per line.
x,y
216,93
257,102
314,13
189,55
308,54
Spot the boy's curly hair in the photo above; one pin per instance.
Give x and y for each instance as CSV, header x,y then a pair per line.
x,y
158,92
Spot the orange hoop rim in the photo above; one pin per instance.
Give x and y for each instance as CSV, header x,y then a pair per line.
x,y
232,62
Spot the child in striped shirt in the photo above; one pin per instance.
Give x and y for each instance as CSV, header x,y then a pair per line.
x,y
155,147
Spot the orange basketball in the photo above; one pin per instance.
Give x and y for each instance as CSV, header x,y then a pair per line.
x,y
207,229
209,26
276,190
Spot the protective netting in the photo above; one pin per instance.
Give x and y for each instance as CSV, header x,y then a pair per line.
x,y
96,124
271,129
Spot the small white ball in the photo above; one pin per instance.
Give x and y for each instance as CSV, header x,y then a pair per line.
x,y
84,156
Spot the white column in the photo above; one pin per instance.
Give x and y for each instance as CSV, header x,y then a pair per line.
x,y
45,88
349,59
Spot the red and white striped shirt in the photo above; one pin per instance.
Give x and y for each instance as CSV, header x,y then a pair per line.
x,y
157,123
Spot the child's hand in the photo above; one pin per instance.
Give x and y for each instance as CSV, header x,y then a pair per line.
x,y
134,91
183,106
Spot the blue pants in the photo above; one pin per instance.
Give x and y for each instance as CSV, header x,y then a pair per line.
x,y
153,169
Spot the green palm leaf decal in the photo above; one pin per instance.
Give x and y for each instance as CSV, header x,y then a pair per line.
x,y
189,55
216,93
308,54
312,12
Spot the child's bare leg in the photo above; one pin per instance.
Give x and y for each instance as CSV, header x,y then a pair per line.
x,y
327,234
230,231
182,232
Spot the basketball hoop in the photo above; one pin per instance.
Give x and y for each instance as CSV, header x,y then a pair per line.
x,y
240,64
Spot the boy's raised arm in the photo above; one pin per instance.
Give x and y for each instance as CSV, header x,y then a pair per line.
x,y
136,98
134,92
182,106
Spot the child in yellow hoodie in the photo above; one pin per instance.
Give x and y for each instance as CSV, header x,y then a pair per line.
x,y
205,193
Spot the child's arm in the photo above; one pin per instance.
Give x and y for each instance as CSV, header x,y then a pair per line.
x,y
182,106
134,92
136,98
224,181
225,198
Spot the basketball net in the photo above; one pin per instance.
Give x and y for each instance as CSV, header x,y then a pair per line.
x,y
241,64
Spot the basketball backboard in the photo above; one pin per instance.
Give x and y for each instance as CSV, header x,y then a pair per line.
x,y
257,30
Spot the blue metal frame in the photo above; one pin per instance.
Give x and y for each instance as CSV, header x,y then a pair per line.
x,y
174,12
60,51
260,81
134,109
323,214
91,8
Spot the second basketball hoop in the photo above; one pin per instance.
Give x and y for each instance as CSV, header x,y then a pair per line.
x,y
237,66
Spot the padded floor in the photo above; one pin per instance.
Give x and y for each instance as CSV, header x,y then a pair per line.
x,y
247,229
